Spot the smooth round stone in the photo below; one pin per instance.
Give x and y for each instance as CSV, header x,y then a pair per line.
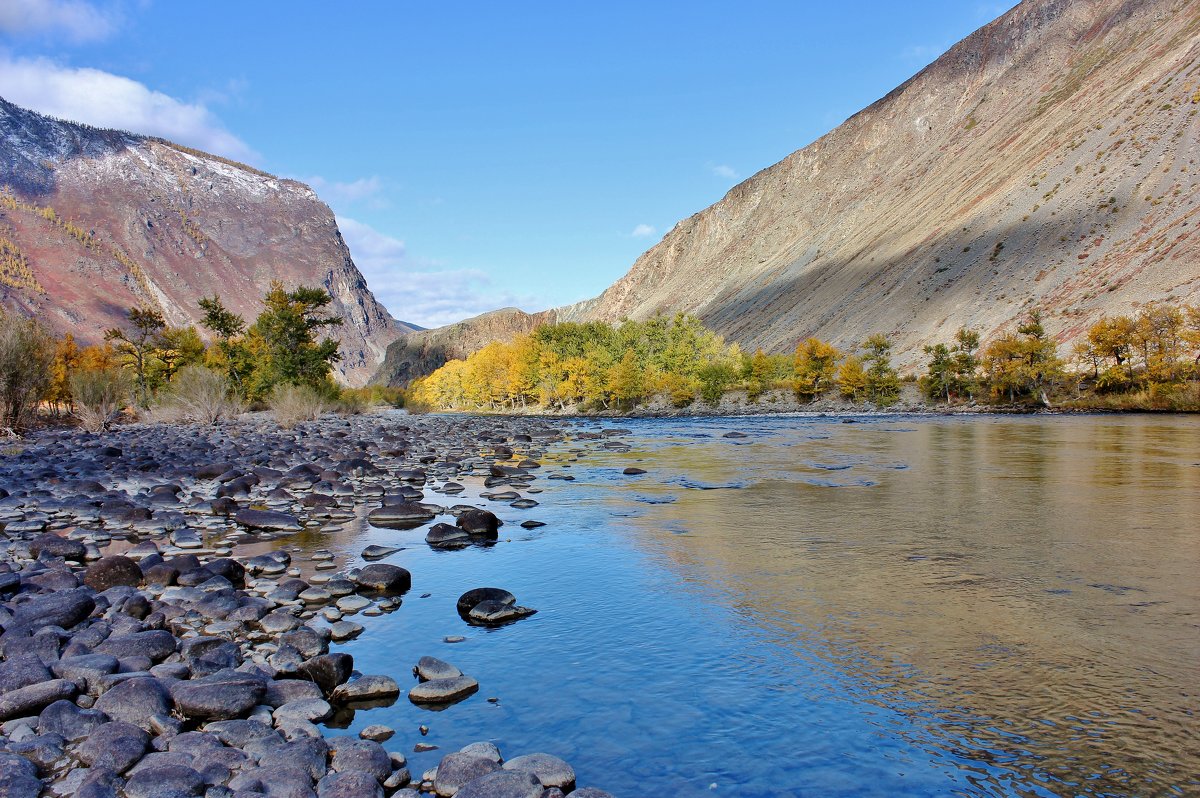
x,y
453,639
372,612
322,555
443,691
503,784
331,614
294,572
379,552
345,630
315,595
352,604
429,668
326,566
367,688
550,770
377,732
321,579
458,769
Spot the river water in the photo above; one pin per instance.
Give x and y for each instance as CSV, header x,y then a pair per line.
x,y
896,606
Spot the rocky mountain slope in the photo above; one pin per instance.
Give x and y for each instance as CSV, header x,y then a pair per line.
x,y
424,351
1048,160
94,221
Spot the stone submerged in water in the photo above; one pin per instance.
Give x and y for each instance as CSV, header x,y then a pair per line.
x,y
406,515
445,536
550,770
491,606
269,520
383,579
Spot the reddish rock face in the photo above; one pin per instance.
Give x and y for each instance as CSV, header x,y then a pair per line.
x,y
96,221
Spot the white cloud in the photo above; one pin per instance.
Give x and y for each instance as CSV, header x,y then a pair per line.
x,y
643,231
365,188
723,170
415,294
103,99
79,21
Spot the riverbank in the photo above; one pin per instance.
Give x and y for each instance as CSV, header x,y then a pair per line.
x,y
169,626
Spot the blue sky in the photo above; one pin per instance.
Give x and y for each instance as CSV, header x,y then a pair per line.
x,y
481,154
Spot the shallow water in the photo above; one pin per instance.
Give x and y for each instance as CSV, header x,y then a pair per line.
x,y
899,606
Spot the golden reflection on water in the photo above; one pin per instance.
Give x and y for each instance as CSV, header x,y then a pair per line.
x,y
1025,588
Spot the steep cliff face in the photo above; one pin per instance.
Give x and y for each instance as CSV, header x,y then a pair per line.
x,y
95,221
1049,159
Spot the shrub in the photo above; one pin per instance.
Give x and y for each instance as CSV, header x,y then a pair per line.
x,y
196,394
292,404
26,353
99,396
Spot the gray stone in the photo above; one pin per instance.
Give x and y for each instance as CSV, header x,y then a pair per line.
x,y
65,608
377,732
550,770
34,698
313,710
155,645
327,670
18,777
349,784
55,546
445,536
345,630
366,688
443,691
590,792
485,749
164,780
406,515
112,571
135,701
223,696
22,669
434,668
458,769
350,753
86,670
384,579
269,520
503,784
283,691
116,746
70,722
374,552
310,754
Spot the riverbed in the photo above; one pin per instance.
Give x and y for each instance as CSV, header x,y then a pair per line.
x,y
900,605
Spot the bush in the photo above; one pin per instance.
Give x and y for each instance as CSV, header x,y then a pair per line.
x,y
99,396
26,353
292,404
196,394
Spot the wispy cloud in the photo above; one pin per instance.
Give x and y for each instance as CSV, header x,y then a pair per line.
x,y
107,100
365,188
76,20
643,231
724,171
411,291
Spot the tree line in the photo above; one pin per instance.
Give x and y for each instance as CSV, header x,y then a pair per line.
x,y
1149,360
149,365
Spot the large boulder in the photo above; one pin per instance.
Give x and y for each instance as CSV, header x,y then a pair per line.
x,y
443,691
113,571
405,515
268,520
550,770
383,579
136,701
479,523
458,769
33,699
116,746
65,608
223,696
503,784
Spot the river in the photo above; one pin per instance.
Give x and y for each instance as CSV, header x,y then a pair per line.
x,y
901,605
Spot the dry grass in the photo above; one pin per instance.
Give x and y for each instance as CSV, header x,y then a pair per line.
x,y
198,395
292,404
99,396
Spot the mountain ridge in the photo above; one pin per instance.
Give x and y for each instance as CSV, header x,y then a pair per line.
x,y
1023,168
95,221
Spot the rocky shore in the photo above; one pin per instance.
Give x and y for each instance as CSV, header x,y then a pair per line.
x,y
147,654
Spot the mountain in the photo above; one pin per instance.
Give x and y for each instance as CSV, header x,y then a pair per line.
x,y
95,221
422,352
1047,160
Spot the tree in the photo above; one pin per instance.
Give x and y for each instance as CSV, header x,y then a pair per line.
x,y
625,380
230,354
67,356
951,371
939,379
175,349
283,344
882,383
852,378
26,352
138,345
1025,363
815,367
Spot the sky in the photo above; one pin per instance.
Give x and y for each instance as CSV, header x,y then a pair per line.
x,y
480,155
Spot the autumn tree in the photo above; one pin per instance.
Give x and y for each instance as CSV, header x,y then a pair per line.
x,y
137,345
815,366
1025,363
66,360
852,378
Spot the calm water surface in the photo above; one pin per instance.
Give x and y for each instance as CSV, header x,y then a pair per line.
x,y
898,606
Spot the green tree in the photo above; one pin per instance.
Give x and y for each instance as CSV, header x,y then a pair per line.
x,y
138,345
26,354
283,341
883,383
230,354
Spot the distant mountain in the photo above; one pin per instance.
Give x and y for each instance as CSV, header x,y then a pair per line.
x,y
95,221
1048,159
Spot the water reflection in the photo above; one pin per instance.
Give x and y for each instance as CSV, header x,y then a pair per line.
x,y
1023,592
